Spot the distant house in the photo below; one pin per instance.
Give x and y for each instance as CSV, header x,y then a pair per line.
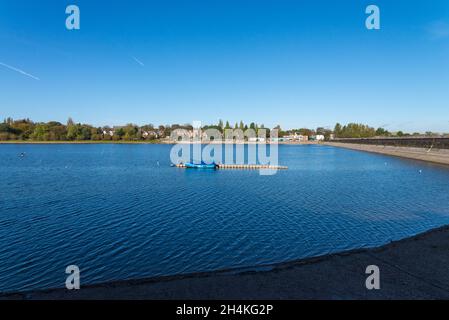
x,y
296,137
108,133
150,134
318,137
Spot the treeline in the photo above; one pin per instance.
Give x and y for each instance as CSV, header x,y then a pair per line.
x,y
55,131
357,130
26,129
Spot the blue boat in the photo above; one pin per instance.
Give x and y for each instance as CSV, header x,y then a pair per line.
x,y
201,165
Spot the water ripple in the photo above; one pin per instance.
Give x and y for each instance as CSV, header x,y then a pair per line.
x,y
126,217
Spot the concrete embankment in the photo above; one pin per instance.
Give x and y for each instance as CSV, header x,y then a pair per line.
x,y
414,268
440,156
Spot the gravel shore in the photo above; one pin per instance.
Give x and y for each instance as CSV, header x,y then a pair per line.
x,y
438,156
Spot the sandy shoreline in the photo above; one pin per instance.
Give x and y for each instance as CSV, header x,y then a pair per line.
x,y
413,268
439,156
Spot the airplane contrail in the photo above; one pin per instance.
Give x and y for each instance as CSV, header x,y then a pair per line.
x,y
19,71
138,61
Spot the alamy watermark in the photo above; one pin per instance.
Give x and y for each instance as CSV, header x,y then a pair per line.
x,y
72,282
73,21
373,280
372,22
230,147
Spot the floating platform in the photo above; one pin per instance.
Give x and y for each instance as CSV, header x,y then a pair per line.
x,y
243,166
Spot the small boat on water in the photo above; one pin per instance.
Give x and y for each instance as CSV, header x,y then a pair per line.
x,y
201,165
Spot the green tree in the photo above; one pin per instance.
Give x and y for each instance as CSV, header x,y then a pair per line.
x,y
321,131
130,132
23,129
84,133
41,132
381,132
72,132
355,130
337,130
119,133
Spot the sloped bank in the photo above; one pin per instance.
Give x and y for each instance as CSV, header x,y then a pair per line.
x,y
439,156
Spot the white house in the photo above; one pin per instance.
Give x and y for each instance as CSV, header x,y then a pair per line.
x,y
108,133
296,137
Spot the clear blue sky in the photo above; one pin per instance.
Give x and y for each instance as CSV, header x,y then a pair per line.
x,y
294,63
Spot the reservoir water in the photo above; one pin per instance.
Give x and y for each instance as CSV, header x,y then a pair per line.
x,y
121,212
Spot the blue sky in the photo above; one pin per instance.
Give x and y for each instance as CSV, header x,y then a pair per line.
x,y
294,63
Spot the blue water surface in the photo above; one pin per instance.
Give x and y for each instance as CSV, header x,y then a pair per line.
x,y
121,212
